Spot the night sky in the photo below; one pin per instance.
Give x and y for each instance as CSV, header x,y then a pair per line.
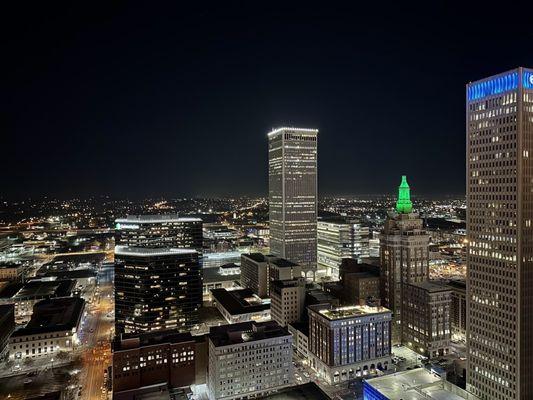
x,y
160,99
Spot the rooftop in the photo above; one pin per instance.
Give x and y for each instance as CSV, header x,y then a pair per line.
x,y
147,252
417,384
226,335
336,313
135,341
154,219
292,129
257,257
282,263
307,391
39,289
432,286
58,314
241,301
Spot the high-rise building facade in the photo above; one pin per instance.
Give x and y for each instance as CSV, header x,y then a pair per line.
x,y
426,318
158,231
292,170
254,273
287,300
338,240
156,289
404,253
499,119
248,360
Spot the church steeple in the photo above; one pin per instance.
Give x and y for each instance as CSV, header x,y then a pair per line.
x,y
404,204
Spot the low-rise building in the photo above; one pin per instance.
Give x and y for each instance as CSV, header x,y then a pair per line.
x,y
165,357
223,277
416,384
241,305
426,318
248,360
347,342
287,300
26,295
7,326
11,271
52,329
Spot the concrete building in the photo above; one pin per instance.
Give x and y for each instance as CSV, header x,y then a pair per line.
x,y
426,318
458,310
227,276
147,359
254,274
404,253
338,239
300,338
53,328
287,299
499,159
282,269
292,170
240,305
7,326
156,288
348,342
248,360
416,384
158,231
10,271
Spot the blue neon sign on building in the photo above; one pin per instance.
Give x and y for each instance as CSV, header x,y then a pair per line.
x,y
500,84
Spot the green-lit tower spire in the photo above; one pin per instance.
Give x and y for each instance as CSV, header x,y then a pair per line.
x,y
404,204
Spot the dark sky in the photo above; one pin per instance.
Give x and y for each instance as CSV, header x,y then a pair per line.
x,y
151,99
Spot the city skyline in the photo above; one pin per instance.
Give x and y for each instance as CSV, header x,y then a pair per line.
x,y
107,88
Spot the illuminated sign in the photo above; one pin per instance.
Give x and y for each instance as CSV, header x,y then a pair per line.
x,y
499,84
126,226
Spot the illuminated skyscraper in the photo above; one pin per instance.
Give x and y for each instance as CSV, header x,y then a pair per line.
x,y
292,169
404,253
499,118
156,289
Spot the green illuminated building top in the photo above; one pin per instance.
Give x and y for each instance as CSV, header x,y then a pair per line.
x,y
404,204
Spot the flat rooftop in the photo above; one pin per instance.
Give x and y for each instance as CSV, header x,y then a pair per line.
x,y
38,289
155,219
240,301
226,335
336,313
282,263
257,257
417,384
307,391
58,314
135,341
432,286
148,252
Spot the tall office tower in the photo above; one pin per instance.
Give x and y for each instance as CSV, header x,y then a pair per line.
x,y
156,289
292,170
248,360
404,253
157,231
499,118
338,239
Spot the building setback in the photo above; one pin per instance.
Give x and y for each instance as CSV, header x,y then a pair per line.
x,y
348,342
156,289
292,170
248,360
499,159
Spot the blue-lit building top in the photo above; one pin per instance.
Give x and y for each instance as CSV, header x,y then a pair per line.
x,y
500,84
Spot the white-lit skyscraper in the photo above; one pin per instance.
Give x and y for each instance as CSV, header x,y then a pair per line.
x,y
292,169
499,124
